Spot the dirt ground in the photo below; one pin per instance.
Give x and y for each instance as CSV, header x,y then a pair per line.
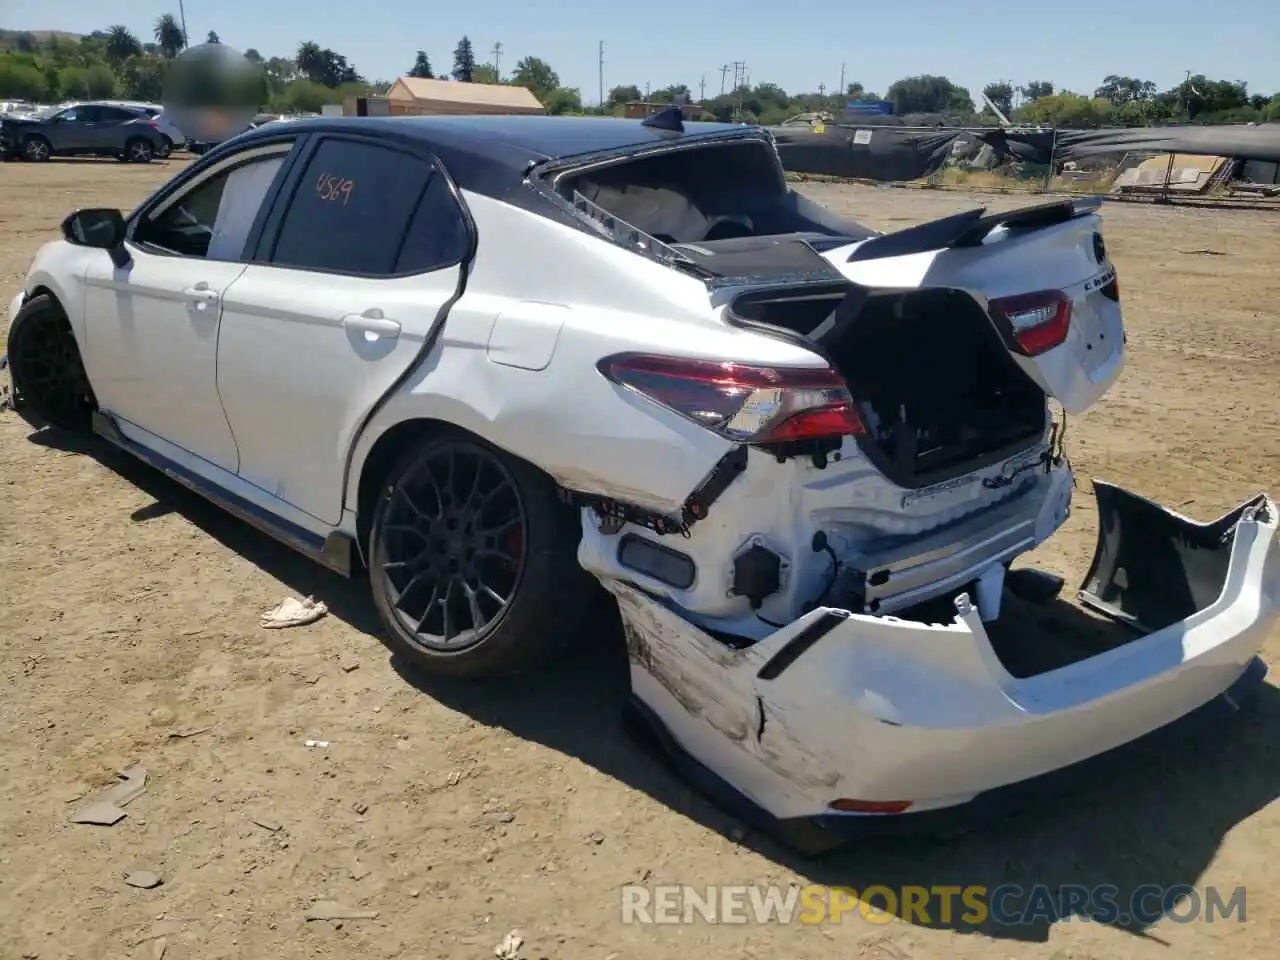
x,y
130,618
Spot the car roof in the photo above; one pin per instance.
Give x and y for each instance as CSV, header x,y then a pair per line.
x,y
511,142
491,155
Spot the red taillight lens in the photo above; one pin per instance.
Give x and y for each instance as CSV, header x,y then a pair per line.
x,y
743,402
1040,321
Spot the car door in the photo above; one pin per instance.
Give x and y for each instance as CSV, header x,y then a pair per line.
x,y
152,326
66,130
108,127
348,286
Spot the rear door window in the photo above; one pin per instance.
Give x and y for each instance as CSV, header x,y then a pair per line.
x,y
352,210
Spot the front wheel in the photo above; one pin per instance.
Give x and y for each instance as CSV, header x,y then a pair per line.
x,y
48,377
37,149
473,560
166,148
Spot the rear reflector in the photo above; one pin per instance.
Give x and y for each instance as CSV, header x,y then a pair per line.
x,y
743,402
1040,321
870,806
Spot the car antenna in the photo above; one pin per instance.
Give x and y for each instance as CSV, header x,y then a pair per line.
x,y
670,119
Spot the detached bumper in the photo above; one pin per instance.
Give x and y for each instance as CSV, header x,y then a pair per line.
x,y
850,710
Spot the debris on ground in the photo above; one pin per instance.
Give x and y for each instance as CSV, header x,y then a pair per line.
x,y
360,808
105,810
291,612
349,664
268,825
189,732
143,879
332,910
359,871
509,948
316,743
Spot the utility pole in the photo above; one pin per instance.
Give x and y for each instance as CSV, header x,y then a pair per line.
x,y
702,88
646,91
724,72
182,15
822,89
739,81
601,65
497,59
842,86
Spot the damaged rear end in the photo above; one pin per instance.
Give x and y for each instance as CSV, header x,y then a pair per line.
x,y
840,725
778,622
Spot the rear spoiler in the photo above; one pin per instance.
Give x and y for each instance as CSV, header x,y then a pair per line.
x,y
970,228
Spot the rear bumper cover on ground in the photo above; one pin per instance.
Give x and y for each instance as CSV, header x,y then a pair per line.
x,y
837,707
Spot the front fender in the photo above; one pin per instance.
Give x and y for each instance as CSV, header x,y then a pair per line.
x,y
59,268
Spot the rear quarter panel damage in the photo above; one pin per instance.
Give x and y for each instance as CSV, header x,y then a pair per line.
x,y
541,291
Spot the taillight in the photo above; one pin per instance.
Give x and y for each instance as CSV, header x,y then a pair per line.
x,y
1040,321
743,402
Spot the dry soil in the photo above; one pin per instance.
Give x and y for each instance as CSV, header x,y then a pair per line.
x,y
129,619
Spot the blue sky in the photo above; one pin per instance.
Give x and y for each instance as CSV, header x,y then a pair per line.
x,y
662,42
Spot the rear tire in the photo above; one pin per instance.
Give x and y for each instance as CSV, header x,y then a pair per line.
x,y
166,148
47,375
473,560
36,149
138,150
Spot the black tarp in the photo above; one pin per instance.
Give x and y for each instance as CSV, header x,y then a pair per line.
x,y
895,154
1240,141
867,153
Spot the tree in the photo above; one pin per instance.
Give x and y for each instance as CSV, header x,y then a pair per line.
x,y
1001,94
1036,89
310,60
422,66
464,61
563,100
536,76
1067,109
1118,90
169,36
485,73
928,94
253,56
143,78
121,44
624,94
212,37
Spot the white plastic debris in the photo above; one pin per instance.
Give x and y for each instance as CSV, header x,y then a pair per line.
x,y
317,743
291,612
509,948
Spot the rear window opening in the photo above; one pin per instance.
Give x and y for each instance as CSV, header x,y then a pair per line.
x,y
707,193
938,390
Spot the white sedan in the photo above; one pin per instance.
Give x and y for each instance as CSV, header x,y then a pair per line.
x,y
499,360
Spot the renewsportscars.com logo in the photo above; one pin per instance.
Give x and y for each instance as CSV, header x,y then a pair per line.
x,y
1007,905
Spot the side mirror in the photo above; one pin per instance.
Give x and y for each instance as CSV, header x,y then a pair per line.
x,y
99,228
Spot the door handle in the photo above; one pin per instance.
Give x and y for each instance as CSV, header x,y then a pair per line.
x,y
201,294
373,324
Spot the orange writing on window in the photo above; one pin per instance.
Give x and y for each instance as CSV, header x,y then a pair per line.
x,y
329,187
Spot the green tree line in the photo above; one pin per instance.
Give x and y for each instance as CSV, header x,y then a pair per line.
x,y
115,62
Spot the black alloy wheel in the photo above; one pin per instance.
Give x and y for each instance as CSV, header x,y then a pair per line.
x,y
473,559
48,374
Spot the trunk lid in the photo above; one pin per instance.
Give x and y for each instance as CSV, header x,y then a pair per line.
x,y
1046,251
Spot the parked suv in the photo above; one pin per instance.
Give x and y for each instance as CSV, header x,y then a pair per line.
x,y
82,129
175,138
